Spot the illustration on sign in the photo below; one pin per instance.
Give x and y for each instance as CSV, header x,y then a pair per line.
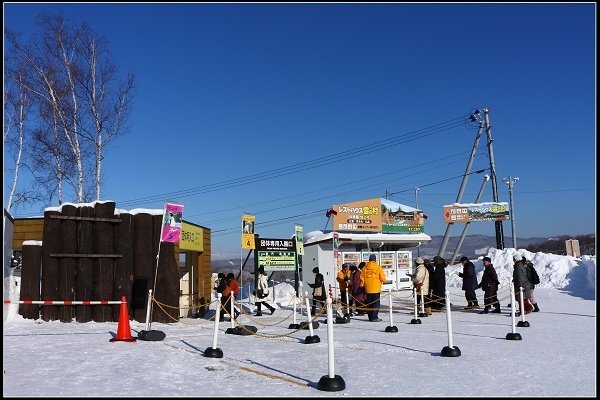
x,y
248,231
377,215
171,225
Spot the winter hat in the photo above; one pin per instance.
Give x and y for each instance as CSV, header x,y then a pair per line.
x,y
419,260
316,270
487,259
517,257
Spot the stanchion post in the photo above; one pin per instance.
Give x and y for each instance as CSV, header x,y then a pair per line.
x,y
347,302
415,320
148,308
312,338
512,335
214,351
450,350
522,322
331,382
231,310
391,328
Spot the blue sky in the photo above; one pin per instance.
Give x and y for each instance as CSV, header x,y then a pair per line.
x,y
283,110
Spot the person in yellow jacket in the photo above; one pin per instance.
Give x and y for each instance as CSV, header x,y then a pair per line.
x,y
343,279
373,277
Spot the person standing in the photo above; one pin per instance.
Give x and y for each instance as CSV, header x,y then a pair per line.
x,y
534,279
373,277
489,284
220,286
520,281
232,288
262,291
420,280
318,293
438,285
358,289
343,279
469,282
430,270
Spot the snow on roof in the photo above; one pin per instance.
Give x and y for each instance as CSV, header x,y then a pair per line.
x,y
390,238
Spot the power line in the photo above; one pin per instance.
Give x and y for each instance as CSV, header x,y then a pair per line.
x,y
305,165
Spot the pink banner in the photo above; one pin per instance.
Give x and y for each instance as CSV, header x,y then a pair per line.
x,y
171,226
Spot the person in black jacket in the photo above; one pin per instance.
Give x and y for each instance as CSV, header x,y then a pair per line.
x,y
318,293
489,284
438,283
469,283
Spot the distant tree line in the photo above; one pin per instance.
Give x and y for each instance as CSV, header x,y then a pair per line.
x,y
556,245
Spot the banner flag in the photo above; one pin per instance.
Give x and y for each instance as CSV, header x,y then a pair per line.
x,y
171,225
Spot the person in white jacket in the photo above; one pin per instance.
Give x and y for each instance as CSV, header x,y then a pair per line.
x,y
262,291
420,280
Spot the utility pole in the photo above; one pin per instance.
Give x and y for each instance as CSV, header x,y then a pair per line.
x,y
510,181
463,183
488,131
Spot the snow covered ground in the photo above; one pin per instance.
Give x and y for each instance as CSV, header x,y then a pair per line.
x,y
556,356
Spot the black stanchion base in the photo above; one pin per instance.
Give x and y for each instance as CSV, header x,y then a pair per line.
x,y
294,326
243,330
415,321
151,335
448,351
304,325
334,384
312,339
513,336
342,320
421,315
524,324
392,329
213,353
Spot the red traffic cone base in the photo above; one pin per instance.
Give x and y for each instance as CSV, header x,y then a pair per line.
x,y
123,330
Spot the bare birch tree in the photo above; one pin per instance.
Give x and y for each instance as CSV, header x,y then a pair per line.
x,y
80,104
107,100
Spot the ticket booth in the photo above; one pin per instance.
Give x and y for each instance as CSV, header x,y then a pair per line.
x,y
393,253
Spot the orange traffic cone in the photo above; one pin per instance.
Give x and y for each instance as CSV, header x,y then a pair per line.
x,y
123,330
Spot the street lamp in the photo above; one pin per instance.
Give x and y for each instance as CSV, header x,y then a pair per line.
x,y
510,181
417,197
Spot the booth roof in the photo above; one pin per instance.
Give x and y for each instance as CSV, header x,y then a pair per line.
x,y
408,239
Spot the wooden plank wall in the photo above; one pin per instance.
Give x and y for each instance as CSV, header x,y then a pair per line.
x,y
66,274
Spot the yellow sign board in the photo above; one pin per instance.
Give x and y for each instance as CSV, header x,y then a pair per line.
x,y
248,231
191,237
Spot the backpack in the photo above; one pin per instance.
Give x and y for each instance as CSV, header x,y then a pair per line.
x,y
534,275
